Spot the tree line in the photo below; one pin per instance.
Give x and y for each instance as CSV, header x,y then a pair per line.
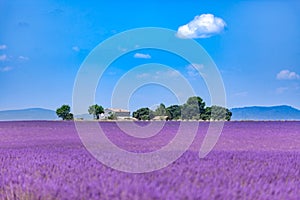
x,y
193,109
64,112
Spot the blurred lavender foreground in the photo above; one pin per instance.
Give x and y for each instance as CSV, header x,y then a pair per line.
x,y
252,160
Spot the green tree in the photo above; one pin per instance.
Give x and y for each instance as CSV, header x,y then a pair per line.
x,y
64,112
143,114
217,113
95,110
207,114
112,116
173,112
190,112
193,108
70,116
160,110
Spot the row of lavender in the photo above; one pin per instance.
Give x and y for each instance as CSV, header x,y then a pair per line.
x,y
252,160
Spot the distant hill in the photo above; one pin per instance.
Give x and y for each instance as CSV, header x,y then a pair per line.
x,y
84,116
266,113
28,114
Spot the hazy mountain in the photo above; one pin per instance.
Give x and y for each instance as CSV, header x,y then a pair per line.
x,y
266,113
85,116
28,114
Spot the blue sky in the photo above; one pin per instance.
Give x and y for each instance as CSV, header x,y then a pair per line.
x,y
254,43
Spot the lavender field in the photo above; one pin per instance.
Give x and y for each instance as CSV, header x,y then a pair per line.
x,y
252,160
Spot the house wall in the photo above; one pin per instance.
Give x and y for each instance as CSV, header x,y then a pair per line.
x,y
122,114
118,114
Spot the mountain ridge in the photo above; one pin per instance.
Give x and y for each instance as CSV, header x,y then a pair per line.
x,y
279,112
28,114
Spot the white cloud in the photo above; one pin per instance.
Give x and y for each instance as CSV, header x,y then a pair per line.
x,y
141,55
143,75
241,94
203,26
167,73
281,90
122,49
287,75
76,48
23,58
6,69
160,74
3,46
193,69
3,57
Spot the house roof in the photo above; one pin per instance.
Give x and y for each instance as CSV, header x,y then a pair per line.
x,y
117,110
